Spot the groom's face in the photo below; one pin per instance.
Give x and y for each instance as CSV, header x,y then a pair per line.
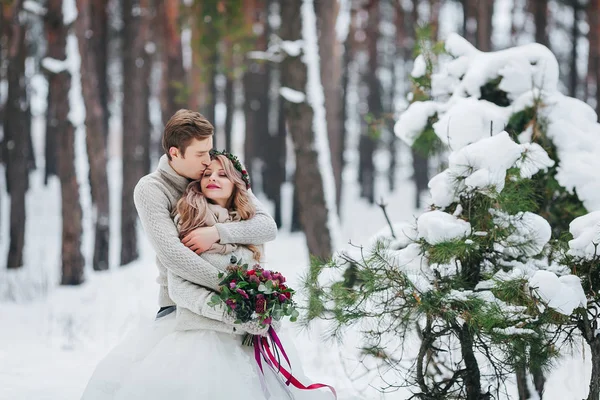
x,y
194,160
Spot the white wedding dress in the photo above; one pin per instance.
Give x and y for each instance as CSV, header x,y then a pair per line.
x,y
157,362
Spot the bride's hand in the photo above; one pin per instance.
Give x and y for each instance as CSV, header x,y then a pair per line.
x,y
200,239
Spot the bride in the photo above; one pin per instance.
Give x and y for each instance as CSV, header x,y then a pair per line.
x,y
196,352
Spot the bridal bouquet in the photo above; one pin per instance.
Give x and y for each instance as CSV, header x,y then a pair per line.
x,y
254,293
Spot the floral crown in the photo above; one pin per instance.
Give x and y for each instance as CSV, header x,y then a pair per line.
x,y
236,164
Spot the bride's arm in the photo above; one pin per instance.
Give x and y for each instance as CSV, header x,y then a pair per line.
x,y
196,299
259,229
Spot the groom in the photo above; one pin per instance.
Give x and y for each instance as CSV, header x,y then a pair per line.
x,y
187,140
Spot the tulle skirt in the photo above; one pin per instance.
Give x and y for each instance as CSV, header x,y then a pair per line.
x,y
156,362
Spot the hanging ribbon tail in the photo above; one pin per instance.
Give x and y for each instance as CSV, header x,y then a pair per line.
x,y
261,376
264,348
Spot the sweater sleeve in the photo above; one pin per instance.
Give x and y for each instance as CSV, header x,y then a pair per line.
x,y
153,209
259,229
193,297
196,298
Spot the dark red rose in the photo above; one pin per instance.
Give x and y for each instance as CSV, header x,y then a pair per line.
x,y
251,272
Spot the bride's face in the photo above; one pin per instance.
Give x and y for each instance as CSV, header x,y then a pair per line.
x,y
215,184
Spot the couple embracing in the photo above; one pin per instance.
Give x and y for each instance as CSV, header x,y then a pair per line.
x,y
197,211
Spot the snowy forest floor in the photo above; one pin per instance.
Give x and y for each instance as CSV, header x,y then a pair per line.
x,y
52,336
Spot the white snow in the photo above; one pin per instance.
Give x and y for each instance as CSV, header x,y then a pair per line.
x,y
292,48
469,120
413,263
291,95
564,294
316,98
413,121
534,159
438,227
55,66
529,233
586,236
419,67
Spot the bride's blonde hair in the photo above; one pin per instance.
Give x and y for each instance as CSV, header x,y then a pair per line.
x,y
192,207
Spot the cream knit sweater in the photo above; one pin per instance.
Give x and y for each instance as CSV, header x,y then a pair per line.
x,y
191,275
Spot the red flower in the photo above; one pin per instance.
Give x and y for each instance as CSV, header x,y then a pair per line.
x,y
261,305
244,172
251,272
288,295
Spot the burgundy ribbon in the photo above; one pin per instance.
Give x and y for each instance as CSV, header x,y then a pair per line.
x,y
261,347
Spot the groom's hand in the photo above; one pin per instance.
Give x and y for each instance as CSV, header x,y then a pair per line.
x,y
200,239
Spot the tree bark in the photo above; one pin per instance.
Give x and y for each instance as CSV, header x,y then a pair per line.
x,y
95,134
98,43
573,73
372,127
331,72
308,179
16,135
472,376
539,11
256,82
136,27
174,75
485,11
470,15
594,35
594,392
57,118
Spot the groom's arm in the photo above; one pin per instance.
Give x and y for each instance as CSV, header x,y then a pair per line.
x,y
153,209
259,229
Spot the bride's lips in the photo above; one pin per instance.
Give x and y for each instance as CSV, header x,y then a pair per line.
x,y
212,186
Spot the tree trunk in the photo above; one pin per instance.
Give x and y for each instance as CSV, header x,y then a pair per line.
x,y
594,393
256,81
98,44
349,52
59,85
174,76
594,17
95,134
372,128
470,15
539,11
472,376
230,106
573,73
16,136
135,31
308,177
331,72
485,11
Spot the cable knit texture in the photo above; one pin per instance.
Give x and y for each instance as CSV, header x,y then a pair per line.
x,y
155,197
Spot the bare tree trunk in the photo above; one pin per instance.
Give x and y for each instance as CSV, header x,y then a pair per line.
x,y
470,15
539,11
135,33
95,134
485,11
308,177
573,73
256,81
372,128
16,135
58,113
594,18
174,76
331,72
98,44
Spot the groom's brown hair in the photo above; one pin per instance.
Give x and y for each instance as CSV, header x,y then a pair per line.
x,y
184,126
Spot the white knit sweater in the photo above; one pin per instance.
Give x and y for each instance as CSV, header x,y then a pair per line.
x,y
155,197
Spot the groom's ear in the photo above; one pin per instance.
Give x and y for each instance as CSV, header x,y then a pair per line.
x,y
173,152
